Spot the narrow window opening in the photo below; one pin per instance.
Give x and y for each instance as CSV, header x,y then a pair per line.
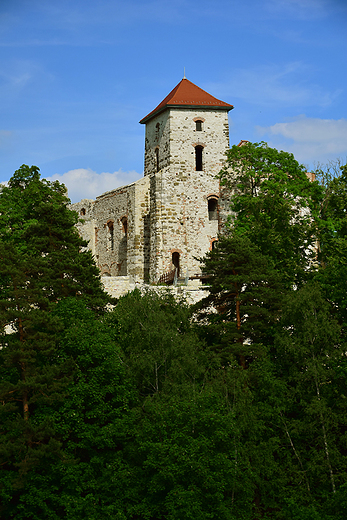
x,y
111,234
157,158
176,261
212,209
214,244
198,126
123,248
124,222
198,158
83,211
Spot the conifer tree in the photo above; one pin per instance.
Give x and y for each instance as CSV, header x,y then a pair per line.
x,y
41,262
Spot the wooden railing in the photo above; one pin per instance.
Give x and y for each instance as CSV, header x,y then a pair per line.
x,y
171,278
167,277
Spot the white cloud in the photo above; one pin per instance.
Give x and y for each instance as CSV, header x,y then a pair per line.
x,y
86,184
310,139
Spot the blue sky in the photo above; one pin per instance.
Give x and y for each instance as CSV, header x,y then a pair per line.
x,y
77,76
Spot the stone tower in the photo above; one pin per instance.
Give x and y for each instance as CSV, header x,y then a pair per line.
x,y
187,136
150,229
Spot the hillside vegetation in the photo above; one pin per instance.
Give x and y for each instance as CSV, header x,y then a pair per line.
x,y
150,409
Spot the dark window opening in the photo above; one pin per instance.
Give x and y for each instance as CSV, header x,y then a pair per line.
x,y
124,222
212,209
198,126
83,211
157,158
198,158
111,234
214,244
176,261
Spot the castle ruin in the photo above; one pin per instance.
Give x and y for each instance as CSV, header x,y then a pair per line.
x,y
154,230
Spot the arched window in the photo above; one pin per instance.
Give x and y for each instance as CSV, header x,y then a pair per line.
x,y
198,158
111,234
176,261
83,211
198,125
212,209
214,244
124,222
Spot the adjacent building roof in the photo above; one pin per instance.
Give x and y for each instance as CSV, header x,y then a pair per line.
x,y
188,95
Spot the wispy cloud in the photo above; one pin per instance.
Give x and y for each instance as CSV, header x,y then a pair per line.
x,y
269,85
87,184
5,137
300,9
16,75
310,139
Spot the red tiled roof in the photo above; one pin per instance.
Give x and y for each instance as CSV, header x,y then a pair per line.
x,y
186,94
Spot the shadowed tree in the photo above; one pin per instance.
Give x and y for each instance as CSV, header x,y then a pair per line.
x,y
41,262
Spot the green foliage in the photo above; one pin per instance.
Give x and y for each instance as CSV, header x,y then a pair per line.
x,y
235,409
245,290
332,244
38,230
181,454
82,479
41,263
154,332
309,356
273,202
277,287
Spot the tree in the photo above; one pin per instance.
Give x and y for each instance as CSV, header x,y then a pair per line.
x,y
332,241
311,361
87,476
274,204
271,320
268,246
181,451
41,262
245,290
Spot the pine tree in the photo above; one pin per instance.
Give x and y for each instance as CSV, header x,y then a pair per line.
x,y
41,262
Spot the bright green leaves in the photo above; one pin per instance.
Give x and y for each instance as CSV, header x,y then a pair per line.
x,y
274,203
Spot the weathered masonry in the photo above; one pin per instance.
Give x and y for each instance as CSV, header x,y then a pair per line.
x,y
161,224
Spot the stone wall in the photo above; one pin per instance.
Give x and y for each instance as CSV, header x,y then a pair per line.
x,y
118,286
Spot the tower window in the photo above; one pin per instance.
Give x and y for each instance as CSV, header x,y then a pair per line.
x,y
198,158
198,125
212,209
157,158
83,211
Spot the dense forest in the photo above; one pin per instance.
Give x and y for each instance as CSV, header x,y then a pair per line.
x,y
148,408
